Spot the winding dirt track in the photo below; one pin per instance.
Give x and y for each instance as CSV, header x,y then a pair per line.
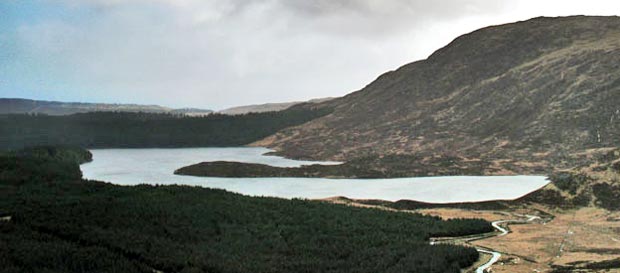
x,y
493,260
495,255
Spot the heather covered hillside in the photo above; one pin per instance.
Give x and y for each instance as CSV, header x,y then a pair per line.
x,y
520,95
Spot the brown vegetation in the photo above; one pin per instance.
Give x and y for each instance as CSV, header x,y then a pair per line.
x,y
521,96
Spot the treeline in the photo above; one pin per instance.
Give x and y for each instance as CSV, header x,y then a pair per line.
x,y
40,164
61,223
142,130
69,154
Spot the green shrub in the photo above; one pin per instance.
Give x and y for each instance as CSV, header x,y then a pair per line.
x,y
607,196
569,182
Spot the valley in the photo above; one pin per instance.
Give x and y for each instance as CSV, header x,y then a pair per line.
x,y
157,167
500,152
65,223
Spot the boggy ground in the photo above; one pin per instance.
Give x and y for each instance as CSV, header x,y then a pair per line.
x,y
564,240
580,239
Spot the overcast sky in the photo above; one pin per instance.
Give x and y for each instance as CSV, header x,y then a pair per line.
x,y
219,53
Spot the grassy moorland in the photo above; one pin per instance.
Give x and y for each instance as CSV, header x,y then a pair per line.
x,y
579,227
53,221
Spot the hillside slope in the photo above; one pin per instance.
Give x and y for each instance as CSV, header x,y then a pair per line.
x,y
527,91
266,107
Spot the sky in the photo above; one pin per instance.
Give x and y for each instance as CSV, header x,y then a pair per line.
x,y
215,54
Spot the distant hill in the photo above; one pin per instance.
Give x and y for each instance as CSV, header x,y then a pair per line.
x,y
521,95
192,112
267,107
56,108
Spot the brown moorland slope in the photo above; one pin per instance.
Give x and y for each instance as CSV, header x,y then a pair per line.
x,y
532,92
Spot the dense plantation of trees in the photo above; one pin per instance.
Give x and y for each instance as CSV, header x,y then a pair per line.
x,y
139,130
42,163
60,223
68,154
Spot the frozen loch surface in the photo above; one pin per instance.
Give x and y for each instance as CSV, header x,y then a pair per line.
x,y
156,166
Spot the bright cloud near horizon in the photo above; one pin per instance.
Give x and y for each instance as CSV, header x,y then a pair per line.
x,y
219,53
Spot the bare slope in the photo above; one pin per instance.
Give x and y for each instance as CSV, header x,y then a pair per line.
x,y
527,91
267,107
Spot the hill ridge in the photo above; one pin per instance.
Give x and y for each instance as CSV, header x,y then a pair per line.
x,y
60,108
526,91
